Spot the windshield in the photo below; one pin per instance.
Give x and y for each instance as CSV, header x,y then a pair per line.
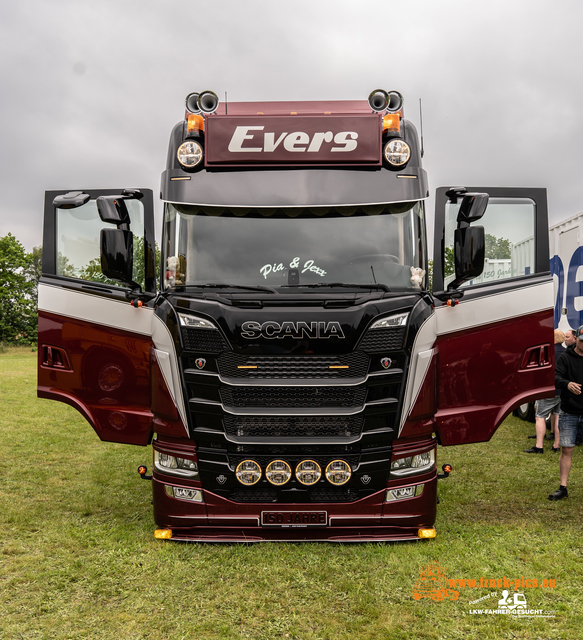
x,y
367,245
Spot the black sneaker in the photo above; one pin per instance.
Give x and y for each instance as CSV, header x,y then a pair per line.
x,y
559,494
550,436
534,450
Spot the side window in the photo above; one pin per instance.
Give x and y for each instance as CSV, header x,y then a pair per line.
x,y
78,242
509,225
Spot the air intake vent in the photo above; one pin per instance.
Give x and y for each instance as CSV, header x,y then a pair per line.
x,y
203,340
292,427
293,397
353,365
381,340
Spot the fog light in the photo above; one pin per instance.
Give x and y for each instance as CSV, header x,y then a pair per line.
x,y
427,533
248,472
278,472
163,534
308,472
338,472
397,152
189,154
182,493
404,492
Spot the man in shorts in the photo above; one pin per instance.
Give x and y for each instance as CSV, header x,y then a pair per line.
x,y
549,407
569,379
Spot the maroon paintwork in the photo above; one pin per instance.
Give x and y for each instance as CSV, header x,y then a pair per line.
x,y
108,379
487,371
294,139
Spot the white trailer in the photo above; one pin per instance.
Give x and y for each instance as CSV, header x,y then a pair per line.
x,y
566,251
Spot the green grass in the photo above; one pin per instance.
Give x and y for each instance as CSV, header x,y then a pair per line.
x,y
78,558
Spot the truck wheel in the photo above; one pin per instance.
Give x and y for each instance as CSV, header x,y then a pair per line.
x,y
525,411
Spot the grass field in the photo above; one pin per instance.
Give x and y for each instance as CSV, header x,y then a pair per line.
x,y
78,558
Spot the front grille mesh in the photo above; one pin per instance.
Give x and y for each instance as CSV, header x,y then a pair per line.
x,y
203,340
293,427
289,366
293,397
330,494
385,339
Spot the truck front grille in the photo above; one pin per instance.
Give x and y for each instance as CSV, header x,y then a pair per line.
x,y
353,365
293,397
293,427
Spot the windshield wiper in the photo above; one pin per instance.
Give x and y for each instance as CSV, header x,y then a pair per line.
x,y
347,285
249,287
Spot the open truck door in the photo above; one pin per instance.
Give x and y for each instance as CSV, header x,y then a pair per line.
x,y
94,345
493,325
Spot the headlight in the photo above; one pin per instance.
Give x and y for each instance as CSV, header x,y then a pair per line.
x,y
194,322
181,493
338,472
413,464
175,466
278,472
404,492
393,321
397,152
248,472
189,154
308,472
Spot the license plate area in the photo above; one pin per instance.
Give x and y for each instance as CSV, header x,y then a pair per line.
x,y
294,519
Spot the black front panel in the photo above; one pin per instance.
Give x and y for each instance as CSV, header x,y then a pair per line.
x,y
307,398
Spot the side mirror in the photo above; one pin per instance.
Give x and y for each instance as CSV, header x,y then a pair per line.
x,y
472,207
113,209
469,254
117,251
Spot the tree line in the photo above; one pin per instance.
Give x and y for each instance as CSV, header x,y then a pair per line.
x,y
19,275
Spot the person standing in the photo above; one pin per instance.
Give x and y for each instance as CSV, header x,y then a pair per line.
x,y
569,379
549,407
570,338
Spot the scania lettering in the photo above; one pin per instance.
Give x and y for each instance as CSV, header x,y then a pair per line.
x,y
270,329
291,367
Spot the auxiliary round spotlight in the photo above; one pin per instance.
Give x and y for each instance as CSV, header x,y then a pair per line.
x,y
278,472
394,101
189,154
248,472
397,152
192,103
308,472
208,101
378,100
338,472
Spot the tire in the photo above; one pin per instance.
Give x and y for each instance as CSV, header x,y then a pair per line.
x,y
525,412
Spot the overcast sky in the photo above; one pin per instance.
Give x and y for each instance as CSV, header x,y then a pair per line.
x,y
90,90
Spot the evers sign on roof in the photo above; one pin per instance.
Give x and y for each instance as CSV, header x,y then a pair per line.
x,y
293,140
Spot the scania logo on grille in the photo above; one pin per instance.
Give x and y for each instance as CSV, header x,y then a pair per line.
x,y
200,363
386,362
365,479
315,330
221,479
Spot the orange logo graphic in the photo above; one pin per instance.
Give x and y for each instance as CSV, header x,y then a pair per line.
x,y
432,584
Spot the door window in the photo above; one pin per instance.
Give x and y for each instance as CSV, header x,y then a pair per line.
x,y
78,242
509,225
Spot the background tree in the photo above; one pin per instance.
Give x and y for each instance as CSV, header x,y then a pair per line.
x,y
18,309
497,248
